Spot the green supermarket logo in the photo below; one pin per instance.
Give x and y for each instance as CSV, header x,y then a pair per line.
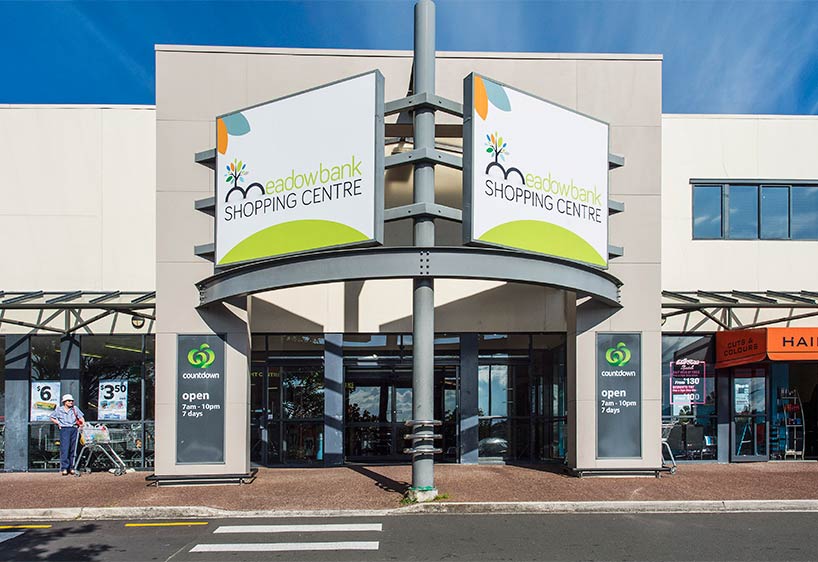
x,y
618,356
201,357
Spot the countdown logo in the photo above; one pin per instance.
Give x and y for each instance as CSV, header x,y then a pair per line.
x,y
618,356
201,357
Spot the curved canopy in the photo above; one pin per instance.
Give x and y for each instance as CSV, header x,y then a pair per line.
x,y
405,262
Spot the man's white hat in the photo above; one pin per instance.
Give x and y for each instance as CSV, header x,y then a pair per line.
x,y
67,397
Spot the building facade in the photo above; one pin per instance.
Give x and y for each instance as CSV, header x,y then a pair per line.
x,y
321,374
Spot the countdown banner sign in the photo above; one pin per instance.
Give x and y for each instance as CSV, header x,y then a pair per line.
x,y
113,400
45,397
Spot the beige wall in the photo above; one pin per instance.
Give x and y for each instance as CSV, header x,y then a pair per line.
x,y
732,147
77,194
196,84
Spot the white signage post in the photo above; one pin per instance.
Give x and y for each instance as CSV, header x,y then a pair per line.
x,y
301,173
535,174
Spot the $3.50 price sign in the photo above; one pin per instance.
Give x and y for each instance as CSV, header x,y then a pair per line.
x,y
113,400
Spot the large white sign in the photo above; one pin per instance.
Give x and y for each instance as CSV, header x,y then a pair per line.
x,y
112,403
45,397
536,175
301,173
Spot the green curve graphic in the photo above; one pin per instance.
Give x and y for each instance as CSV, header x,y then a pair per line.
x,y
545,238
290,237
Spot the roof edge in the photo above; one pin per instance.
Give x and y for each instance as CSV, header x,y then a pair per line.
x,y
736,116
74,106
402,53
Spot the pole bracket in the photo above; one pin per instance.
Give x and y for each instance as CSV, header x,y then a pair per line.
x,y
421,155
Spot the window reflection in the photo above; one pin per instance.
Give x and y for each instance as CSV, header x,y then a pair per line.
x,y
743,204
804,213
706,211
775,210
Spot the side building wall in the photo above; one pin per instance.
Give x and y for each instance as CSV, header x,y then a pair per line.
x,y
733,147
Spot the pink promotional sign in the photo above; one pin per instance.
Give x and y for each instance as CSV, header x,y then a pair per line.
x,y
687,381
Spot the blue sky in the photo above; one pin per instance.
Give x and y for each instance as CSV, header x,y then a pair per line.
x,y
719,57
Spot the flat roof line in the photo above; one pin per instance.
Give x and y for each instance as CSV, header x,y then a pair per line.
x,y
401,53
74,106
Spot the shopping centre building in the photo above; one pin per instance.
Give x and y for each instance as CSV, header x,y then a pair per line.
x,y
109,284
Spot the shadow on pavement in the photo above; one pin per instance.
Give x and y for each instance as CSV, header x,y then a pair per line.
x,y
553,468
36,545
383,482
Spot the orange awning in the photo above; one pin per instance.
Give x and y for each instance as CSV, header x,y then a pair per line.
x,y
740,347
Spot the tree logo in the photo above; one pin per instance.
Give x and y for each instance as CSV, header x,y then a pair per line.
x,y
201,357
618,356
235,174
496,146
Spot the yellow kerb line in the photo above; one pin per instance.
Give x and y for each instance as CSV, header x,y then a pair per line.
x,y
169,524
25,526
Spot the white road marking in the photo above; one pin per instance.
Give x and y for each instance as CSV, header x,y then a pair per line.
x,y
8,536
333,527
286,546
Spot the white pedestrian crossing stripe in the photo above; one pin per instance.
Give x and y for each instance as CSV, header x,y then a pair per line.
x,y
293,546
8,536
286,546
333,527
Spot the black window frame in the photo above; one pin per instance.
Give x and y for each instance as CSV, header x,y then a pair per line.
x,y
760,185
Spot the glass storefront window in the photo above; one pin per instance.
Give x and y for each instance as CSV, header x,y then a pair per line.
x,y
303,396
112,365
45,358
692,425
521,396
2,402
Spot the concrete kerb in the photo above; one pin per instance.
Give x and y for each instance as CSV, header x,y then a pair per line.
x,y
701,506
464,508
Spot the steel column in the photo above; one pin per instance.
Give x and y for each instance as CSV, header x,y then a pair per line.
x,y
423,311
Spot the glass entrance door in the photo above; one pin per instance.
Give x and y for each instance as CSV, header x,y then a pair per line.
x,y
750,426
378,403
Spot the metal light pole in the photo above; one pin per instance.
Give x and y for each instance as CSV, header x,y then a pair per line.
x,y
423,317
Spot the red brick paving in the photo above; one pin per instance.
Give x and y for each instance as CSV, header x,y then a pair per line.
x,y
381,487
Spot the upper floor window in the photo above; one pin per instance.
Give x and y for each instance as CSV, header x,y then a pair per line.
x,y
746,211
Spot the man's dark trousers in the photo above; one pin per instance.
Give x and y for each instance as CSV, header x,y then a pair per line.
x,y
68,447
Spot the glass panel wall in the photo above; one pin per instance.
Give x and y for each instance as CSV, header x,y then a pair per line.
x,y
117,381
44,436
521,397
2,402
287,399
689,400
116,388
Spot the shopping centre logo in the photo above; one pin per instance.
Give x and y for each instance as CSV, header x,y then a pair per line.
x,y
201,357
235,175
498,148
618,356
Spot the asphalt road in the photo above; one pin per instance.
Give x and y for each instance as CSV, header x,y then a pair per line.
x,y
723,537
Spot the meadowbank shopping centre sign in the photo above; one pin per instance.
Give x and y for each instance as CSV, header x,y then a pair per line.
x,y
536,174
299,191
296,174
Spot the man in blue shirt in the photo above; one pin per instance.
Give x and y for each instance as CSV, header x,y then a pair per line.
x,y
68,417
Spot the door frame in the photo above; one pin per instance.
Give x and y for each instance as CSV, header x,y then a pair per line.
x,y
752,418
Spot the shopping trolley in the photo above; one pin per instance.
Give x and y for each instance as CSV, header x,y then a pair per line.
x,y
666,429
97,438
